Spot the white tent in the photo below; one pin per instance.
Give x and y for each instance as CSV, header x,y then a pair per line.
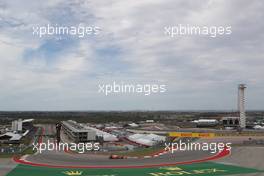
x,y
12,136
133,125
146,139
106,136
258,127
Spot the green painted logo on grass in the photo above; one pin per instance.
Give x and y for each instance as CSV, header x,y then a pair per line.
x,y
178,171
73,173
199,169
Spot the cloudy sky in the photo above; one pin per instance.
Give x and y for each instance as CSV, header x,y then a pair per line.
x,y
201,72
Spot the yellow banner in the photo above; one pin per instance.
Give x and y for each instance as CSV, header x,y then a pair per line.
x,y
187,134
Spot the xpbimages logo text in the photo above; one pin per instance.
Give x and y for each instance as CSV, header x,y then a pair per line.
x,y
189,30
131,88
80,30
187,145
74,147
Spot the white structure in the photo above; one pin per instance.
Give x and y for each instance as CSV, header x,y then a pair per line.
x,y
133,125
150,121
27,120
146,139
231,121
258,127
206,122
17,125
78,133
82,133
11,136
241,105
107,137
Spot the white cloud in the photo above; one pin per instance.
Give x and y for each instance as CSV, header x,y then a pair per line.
x,y
192,66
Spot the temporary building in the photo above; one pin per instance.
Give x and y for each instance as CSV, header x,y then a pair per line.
x,y
107,137
11,136
146,139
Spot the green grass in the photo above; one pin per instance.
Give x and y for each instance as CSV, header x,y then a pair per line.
x,y
199,169
6,155
28,151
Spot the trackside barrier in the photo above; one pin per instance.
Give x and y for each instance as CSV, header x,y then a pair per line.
x,y
212,135
194,135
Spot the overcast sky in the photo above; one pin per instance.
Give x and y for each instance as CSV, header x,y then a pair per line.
x,y
201,72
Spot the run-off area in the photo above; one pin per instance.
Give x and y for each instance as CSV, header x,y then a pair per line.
x,y
201,169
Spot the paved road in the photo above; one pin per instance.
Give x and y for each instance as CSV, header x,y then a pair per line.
x,y
251,157
6,166
247,157
60,158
